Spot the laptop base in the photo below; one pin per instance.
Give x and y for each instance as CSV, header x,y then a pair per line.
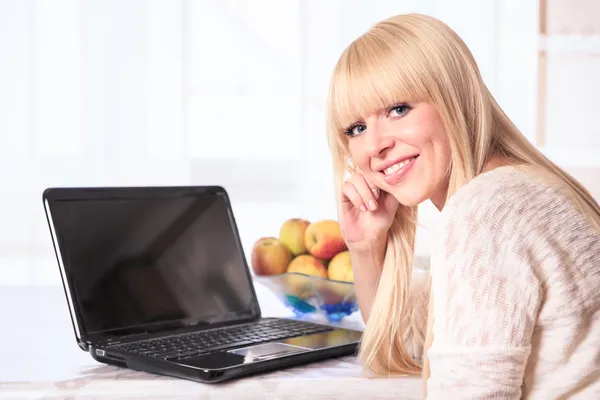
x,y
226,364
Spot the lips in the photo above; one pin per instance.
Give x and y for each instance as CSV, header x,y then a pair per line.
x,y
397,166
394,173
396,163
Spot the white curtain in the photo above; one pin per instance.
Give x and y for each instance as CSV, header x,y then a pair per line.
x,y
231,92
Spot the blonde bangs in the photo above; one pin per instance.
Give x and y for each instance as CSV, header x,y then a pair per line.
x,y
370,76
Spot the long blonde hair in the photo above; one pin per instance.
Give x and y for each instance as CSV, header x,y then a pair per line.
x,y
418,58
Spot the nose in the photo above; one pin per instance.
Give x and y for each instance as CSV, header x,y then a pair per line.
x,y
378,137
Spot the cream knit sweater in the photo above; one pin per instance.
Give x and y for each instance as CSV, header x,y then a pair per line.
x,y
516,282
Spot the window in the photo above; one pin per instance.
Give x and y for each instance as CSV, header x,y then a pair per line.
x,y
232,92
568,88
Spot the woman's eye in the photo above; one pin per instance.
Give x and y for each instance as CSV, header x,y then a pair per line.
x,y
355,130
399,111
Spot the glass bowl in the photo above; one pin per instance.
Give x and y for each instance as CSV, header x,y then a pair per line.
x,y
309,295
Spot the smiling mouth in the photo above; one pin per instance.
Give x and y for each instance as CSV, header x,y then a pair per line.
x,y
397,168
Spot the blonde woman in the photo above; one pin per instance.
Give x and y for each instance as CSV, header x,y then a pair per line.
x,y
512,307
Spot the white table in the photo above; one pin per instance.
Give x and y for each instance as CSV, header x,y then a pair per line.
x,y
39,359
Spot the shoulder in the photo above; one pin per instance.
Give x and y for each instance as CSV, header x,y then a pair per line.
x,y
504,202
501,216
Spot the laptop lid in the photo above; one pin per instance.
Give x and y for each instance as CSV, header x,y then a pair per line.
x,y
148,259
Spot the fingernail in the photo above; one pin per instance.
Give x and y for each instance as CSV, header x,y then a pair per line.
x,y
363,208
375,192
372,205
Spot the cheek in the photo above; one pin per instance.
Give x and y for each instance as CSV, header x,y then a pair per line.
x,y
442,152
433,142
430,136
420,133
358,154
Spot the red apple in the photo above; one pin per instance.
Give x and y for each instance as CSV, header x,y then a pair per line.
x,y
301,286
323,239
309,265
270,256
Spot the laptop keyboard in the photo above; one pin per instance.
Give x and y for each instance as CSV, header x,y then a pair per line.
x,y
197,343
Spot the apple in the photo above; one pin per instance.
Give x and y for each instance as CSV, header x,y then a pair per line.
x,y
270,256
309,265
340,267
300,285
323,239
291,234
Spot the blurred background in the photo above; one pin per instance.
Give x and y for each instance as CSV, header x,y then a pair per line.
x,y
232,92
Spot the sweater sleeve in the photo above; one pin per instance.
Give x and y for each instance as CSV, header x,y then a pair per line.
x,y
486,300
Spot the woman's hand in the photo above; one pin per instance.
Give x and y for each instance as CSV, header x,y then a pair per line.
x,y
366,213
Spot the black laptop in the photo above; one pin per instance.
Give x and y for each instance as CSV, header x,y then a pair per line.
x,y
156,280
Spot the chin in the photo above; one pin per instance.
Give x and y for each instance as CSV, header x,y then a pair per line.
x,y
409,198
416,188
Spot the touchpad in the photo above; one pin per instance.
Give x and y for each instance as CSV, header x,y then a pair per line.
x,y
266,351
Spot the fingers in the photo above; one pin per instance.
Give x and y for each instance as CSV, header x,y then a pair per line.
x,y
351,196
360,193
374,189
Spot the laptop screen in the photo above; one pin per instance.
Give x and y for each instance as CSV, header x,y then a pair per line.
x,y
152,260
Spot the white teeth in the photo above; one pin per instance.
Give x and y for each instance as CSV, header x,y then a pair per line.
x,y
396,167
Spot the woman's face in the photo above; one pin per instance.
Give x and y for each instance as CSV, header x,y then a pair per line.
x,y
403,150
